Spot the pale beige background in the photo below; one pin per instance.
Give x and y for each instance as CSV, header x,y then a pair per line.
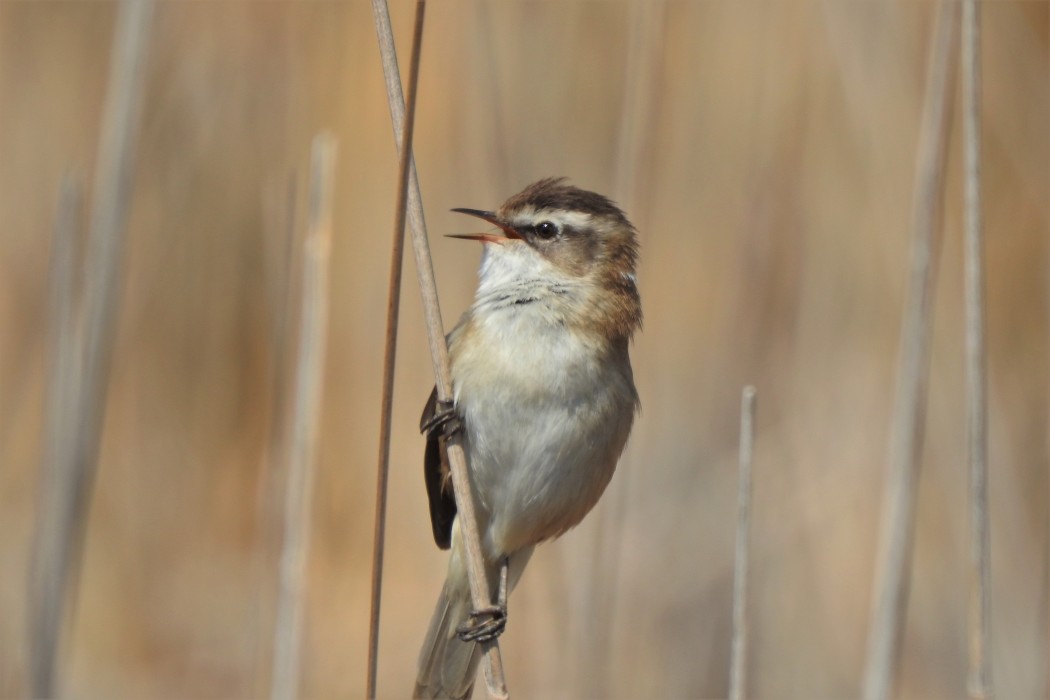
x,y
766,154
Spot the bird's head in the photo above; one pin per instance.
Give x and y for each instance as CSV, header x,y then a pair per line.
x,y
552,227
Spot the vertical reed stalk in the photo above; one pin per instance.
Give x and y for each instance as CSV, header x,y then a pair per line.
x,y
60,540
738,656
305,420
479,590
906,434
47,588
390,349
980,675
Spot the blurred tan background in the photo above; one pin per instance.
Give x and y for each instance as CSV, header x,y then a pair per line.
x,y
765,150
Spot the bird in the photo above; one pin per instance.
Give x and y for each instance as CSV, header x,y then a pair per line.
x,y
543,402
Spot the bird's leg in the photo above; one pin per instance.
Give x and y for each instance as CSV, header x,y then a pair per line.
x,y
445,422
489,622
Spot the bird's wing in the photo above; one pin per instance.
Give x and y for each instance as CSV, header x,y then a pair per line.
x,y
437,476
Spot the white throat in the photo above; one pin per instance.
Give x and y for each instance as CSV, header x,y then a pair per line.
x,y
514,273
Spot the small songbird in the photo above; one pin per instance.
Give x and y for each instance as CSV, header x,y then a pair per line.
x,y
543,398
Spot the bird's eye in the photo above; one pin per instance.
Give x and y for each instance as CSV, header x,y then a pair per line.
x,y
546,229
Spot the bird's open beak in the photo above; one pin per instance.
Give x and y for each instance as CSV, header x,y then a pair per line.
x,y
508,231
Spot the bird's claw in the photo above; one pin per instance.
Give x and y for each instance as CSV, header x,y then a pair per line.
x,y
445,421
484,625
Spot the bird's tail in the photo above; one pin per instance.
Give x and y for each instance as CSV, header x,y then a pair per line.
x,y
448,665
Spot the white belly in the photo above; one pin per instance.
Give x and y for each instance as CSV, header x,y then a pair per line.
x,y
546,421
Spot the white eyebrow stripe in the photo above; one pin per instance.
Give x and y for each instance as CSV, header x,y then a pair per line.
x,y
569,219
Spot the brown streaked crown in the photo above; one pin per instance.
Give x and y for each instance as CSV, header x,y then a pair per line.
x,y
555,193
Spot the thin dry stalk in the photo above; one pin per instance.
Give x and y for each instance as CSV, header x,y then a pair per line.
x,y
980,675
305,420
479,589
906,434
47,589
390,349
738,655
77,461
1043,609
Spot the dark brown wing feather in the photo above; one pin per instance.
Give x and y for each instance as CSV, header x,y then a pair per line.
x,y
436,475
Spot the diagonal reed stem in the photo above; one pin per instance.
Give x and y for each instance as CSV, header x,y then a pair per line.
x,y
906,433
305,418
738,654
479,590
60,539
980,673
47,589
390,348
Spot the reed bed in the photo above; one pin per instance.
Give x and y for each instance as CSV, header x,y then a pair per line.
x,y
811,224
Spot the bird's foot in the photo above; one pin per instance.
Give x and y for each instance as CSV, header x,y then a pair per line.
x,y
484,625
445,422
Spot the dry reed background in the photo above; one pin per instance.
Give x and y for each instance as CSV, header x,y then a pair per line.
x,y
770,173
